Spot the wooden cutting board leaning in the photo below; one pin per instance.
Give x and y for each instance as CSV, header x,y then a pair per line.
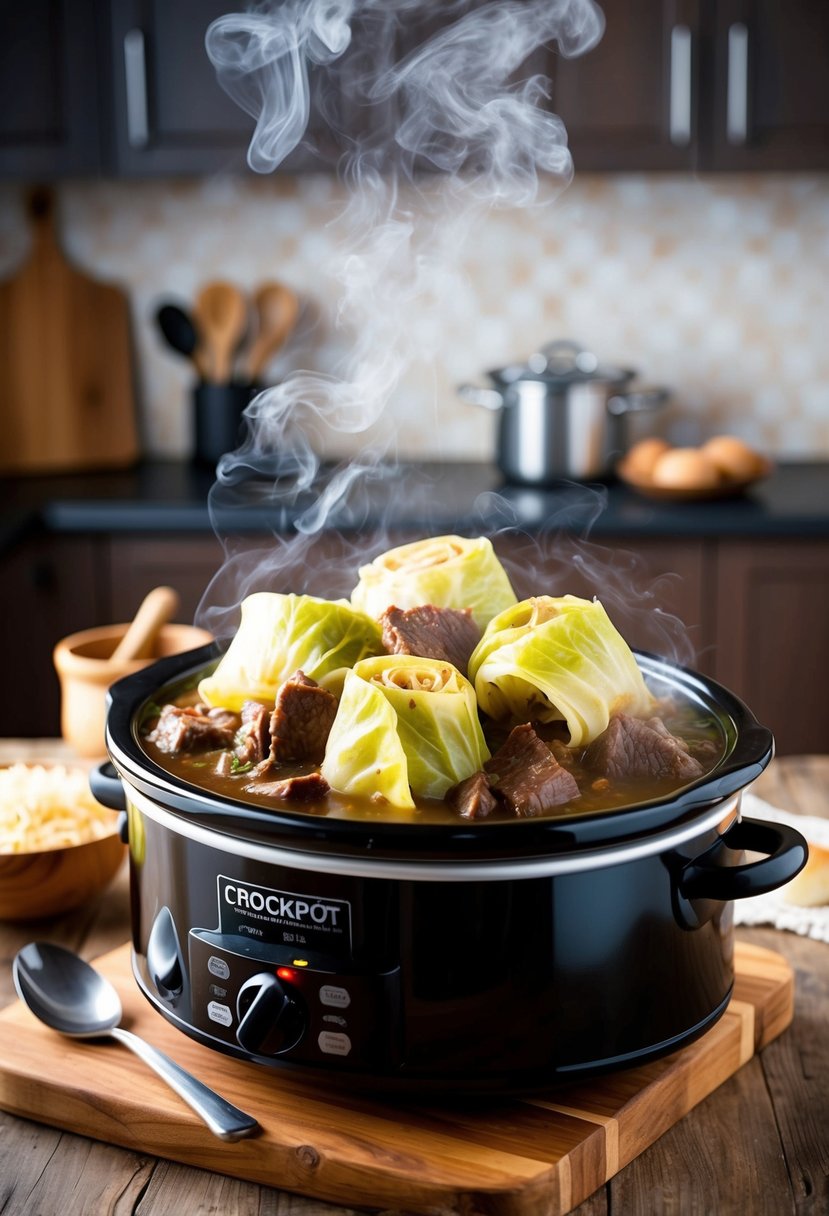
x,y
66,374
505,1156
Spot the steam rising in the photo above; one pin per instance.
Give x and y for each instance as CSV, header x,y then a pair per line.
x,y
464,103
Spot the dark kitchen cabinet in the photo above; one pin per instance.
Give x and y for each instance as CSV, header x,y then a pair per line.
x,y
49,89
769,97
49,587
137,564
125,88
686,84
632,101
172,117
169,114
772,641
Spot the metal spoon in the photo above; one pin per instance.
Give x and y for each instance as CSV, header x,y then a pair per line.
x,y
73,998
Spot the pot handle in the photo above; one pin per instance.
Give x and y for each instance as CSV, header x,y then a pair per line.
x,y
787,854
489,398
106,786
637,400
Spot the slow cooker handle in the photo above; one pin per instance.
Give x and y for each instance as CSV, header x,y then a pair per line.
x,y
787,853
106,786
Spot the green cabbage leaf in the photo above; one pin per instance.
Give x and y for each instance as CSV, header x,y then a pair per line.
x,y
446,571
404,726
549,659
280,634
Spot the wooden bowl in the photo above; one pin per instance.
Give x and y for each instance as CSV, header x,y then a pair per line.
x,y
37,885
727,488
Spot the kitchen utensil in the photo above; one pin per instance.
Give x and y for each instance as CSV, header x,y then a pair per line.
x,y
179,332
73,998
220,315
277,308
561,416
86,667
66,378
494,955
369,1150
218,410
157,607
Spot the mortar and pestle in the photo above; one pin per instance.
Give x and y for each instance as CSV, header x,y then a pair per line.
x,y
88,662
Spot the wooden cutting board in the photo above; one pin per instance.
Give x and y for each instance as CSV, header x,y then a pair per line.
x,y
66,381
516,1157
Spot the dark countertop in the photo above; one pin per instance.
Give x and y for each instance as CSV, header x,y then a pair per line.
x,y
169,497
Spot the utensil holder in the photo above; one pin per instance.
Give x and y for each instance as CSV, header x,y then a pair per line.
x,y
218,412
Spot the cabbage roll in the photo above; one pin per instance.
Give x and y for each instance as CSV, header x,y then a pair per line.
x,y
404,726
549,659
281,634
447,571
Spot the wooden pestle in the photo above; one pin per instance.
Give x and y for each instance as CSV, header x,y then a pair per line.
x,y
158,608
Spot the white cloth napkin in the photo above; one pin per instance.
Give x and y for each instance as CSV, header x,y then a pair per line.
x,y
774,909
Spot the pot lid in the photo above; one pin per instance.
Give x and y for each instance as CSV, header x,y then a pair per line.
x,y
562,362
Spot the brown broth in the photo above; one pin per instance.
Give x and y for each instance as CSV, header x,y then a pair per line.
x,y
687,721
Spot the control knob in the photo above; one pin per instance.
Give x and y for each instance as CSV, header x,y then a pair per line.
x,y
271,1015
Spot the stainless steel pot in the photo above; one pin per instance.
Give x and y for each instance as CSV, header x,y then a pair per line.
x,y
562,415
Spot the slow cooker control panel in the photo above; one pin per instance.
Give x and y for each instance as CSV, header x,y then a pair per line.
x,y
267,1001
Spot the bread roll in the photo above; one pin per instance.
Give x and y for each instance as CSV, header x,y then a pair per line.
x,y
734,459
685,469
811,886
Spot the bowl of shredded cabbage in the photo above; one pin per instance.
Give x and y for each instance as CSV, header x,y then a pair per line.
x,y
59,848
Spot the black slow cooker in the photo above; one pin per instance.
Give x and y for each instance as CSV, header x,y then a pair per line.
x,y
499,956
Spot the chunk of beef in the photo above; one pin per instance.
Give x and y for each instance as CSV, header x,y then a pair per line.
x,y
448,634
255,733
631,747
472,798
308,788
301,721
193,728
527,776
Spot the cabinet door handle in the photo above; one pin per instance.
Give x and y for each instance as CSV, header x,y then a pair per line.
x,y
736,115
135,75
680,96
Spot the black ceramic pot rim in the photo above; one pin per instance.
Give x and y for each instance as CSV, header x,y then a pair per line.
x,y
748,749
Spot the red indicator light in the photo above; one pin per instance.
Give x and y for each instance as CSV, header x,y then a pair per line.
x,y
286,973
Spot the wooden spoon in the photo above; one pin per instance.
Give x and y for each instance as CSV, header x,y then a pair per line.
x,y
220,314
138,642
277,308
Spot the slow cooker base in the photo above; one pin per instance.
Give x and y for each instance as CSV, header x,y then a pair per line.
x,y
405,1083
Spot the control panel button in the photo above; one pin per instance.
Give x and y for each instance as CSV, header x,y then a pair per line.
x,y
218,967
335,998
333,1043
217,1012
271,1015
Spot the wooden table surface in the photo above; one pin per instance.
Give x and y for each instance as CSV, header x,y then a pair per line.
x,y
758,1145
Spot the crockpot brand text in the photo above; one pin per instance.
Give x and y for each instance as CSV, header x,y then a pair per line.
x,y
287,907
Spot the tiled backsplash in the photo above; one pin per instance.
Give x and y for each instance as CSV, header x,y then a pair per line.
x,y
717,287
